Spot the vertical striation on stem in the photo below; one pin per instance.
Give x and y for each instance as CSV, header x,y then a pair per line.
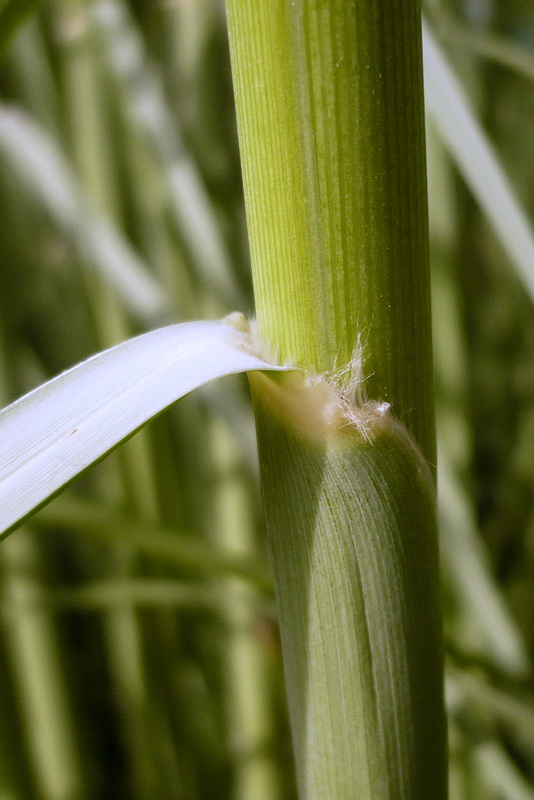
x,y
330,115
330,118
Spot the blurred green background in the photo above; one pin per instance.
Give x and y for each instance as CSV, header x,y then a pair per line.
x,y
139,655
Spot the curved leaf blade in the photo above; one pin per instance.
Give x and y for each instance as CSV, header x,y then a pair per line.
x,y
55,432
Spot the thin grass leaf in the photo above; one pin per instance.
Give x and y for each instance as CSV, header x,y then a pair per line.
x,y
170,545
55,432
500,773
515,708
190,205
156,593
502,50
49,721
467,561
475,158
39,162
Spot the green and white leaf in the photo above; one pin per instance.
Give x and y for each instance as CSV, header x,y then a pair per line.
x,y
55,432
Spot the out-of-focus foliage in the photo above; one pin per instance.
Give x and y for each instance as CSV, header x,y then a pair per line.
x,y
484,345
139,655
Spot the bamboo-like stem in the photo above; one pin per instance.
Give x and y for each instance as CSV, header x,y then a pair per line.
x,y
330,113
330,117
350,515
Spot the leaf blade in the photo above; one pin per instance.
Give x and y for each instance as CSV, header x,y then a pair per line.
x,y
55,432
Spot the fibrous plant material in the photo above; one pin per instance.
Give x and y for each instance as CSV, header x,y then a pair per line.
x,y
350,504
330,117
331,125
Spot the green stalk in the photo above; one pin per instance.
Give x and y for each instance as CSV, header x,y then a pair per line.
x,y
330,117
330,114
350,517
249,720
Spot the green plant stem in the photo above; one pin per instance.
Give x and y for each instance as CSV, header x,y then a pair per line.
x,y
330,114
330,118
351,524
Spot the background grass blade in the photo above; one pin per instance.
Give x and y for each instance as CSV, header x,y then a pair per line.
x,y
476,160
12,14
42,166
